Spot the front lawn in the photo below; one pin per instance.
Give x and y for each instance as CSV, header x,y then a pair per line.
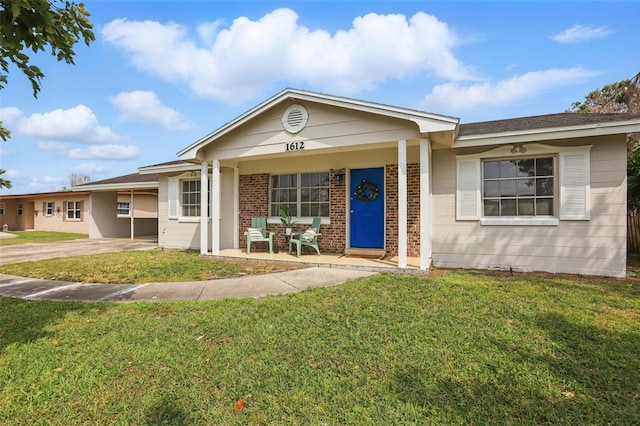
x,y
461,348
24,237
141,267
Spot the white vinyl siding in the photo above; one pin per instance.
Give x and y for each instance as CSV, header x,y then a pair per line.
x,y
595,247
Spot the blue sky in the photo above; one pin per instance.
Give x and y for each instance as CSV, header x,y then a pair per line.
x,y
162,74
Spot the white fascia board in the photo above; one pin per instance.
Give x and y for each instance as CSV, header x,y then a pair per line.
x,y
426,122
169,168
546,134
116,186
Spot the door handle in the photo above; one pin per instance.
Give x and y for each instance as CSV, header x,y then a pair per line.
x,y
351,211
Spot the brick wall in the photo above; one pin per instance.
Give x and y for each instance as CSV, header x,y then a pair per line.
x,y
413,210
254,202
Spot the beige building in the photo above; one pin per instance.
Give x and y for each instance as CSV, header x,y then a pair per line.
x,y
125,206
545,193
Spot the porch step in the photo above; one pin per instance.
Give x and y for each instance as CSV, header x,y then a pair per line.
x,y
364,252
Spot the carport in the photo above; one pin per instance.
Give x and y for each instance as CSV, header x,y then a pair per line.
x,y
123,207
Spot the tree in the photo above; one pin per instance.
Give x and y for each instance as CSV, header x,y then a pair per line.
x,y
620,97
76,179
3,182
37,25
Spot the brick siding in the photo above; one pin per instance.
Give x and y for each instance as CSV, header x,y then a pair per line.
x,y
254,202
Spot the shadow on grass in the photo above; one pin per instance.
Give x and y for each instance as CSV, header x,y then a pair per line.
x,y
166,412
584,375
24,321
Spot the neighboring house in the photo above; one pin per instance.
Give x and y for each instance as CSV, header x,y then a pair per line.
x,y
63,211
543,193
126,206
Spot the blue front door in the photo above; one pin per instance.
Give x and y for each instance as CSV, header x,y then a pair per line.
x,y
367,208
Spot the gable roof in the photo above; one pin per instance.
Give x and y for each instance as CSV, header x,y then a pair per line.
x,y
426,122
130,181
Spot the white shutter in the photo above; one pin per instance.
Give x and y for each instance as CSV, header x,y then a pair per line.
x,y
172,197
468,201
574,185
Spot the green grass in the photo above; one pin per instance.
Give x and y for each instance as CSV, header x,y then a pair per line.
x,y
24,237
459,348
139,267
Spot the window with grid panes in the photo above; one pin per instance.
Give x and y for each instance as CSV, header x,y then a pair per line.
x,y
518,187
123,209
305,194
190,196
74,210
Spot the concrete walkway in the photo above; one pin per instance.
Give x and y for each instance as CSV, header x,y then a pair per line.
x,y
247,286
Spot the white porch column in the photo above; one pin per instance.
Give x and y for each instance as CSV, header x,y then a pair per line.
x,y
236,207
425,203
131,215
204,207
215,208
402,203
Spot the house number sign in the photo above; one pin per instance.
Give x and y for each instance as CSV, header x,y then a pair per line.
x,y
294,146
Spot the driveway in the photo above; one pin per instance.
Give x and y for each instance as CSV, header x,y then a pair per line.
x,y
30,252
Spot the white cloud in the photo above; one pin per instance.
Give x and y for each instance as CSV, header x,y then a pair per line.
x,y
240,61
145,107
52,146
579,33
104,152
458,97
47,183
78,124
89,168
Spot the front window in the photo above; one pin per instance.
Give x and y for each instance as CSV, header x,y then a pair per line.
x,y
74,210
518,187
305,194
48,208
190,198
2,209
123,209
19,209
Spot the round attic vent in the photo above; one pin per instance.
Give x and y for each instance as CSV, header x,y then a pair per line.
x,y
295,118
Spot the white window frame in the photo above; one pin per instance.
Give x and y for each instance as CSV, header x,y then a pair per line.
x,y
128,208
45,208
174,196
571,197
73,206
2,207
298,218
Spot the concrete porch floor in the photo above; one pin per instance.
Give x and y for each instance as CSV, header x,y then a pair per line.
x,y
329,261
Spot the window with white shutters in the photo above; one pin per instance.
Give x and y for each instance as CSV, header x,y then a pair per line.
x,y
546,185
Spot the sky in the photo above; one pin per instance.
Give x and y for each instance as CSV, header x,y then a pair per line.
x,y
162,74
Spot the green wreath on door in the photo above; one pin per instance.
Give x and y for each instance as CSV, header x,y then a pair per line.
x,y
367,191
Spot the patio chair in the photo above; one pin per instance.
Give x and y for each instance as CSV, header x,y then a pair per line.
x,y
307,238
258,233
